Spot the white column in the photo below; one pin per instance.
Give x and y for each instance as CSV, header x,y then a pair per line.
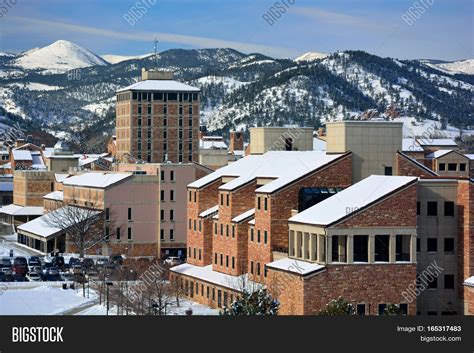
x,y
392,257
329,249
350,249
371,249
413,248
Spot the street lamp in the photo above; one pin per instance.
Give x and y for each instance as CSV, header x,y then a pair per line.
x,y
108,284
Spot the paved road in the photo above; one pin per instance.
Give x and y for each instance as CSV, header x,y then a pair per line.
x,y
8,242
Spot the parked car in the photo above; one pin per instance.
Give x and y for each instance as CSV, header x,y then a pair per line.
x,y
35,258
34,261
76,269
5,262
20,266
88,263
53,271
66,276
3,278
58,261
74,261
102,261
37,269
116,259
33,277
46,267
172,261
8,271
18,278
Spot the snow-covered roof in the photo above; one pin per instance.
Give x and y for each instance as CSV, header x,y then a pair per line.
x,y
438,153
470,156
22,155
15,210
40,226
209,211
244,216
298,267
252,221
48,152
411,145
283,166
318,144
60,177
160,85
212,145
6,186
96,180
206,274
469,281
437,142
352,199
55,195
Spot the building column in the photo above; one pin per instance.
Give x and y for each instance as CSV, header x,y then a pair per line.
x,y
342,248
306,240
392,257
298,244
371,249
313,239
350,249
320,248
413,248
329,249
291,242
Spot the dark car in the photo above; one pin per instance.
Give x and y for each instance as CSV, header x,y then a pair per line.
x,y
5,262
20,266
74,261
116,259
18,278
34,261
3,277
58,261
88,263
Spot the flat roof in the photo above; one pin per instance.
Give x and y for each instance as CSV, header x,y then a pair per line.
x,y
15,210
351,200
283,166
55,195
209,211
22,155
160,85
411,145
299,267
437,142
96,179
244,216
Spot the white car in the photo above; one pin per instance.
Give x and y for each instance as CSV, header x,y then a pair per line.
x,y
34,277
172,261
7,271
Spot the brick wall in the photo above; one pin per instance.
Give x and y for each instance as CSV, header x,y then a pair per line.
x,y
465,203
469,300
369,284
280,204
398,210
406,167
29,187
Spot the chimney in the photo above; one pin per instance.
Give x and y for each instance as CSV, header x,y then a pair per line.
x,y
19,143
236,141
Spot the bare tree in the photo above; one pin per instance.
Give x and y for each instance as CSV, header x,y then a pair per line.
x,y
177,288
83,226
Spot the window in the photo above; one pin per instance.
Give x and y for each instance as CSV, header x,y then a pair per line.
x,y
200,226
162,215
207,292
361,248
265,204
171,215
382,308
227,200
382,248
200,254
448,281
360,309
418,244
233,231
215,258
251,234
449,245
227,261
226,230
432,208
162,175
189,223
452,167
222,199
172,96
258,203
162,234
442,167
388,171
171,195
403,308
258,268
172,175
162,195
195,196
215,228
222,229
118,234
107,233
258,236
462,167
251,267
107,214
222,259
418,208
233,262
449,208
433,284
402,248
129,233
288,144
171,234
432,244
339,248
194,252
265,236
190,196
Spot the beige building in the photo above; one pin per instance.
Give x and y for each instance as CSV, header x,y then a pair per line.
x,y
264,139
213,152
449,163
374,145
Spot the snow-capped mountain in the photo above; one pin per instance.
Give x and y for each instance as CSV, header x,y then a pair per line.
x,y
59,57
462,66
243,90
115,59
311,56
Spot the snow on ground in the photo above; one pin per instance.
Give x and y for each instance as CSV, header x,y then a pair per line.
x,y
100,108
42,300
229,83
8,103
115,59
35,86
428,128
461,66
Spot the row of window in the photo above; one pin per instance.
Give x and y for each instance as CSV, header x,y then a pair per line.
x,y
228,230
432,245
433,282
162,195
181,97
162,234
163,218
197,225
255,269
432,208
221,262
192,289
258,238
164,122
118,233
452,167
192,196
259,203
107,214
196,254
163,175
149,109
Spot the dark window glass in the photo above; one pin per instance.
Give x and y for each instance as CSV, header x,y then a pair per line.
x,y
452,167
361,248
360,309
449,245
382,248
462,167
442,167
449,208
388,171
432,208
432,244
448,281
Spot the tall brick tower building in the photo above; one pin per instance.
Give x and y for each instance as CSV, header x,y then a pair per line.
x,y
157,120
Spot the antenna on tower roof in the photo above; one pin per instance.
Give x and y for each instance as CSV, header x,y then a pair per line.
x,y
156,54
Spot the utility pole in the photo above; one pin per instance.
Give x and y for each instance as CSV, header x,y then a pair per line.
x,y
156,54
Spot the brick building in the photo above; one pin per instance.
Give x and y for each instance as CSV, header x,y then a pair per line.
x,y
157,120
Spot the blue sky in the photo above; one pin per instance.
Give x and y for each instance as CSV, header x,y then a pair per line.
x,y
444,31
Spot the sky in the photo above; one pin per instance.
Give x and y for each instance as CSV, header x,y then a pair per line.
x,y
421,29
